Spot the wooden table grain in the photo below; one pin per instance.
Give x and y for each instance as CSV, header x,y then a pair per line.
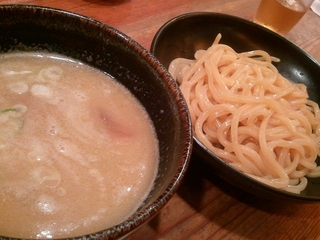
x,y
205,207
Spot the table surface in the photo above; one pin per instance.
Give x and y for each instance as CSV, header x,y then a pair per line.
x,y
205,207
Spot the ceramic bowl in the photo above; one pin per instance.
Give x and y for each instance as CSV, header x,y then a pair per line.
x,y
34,28
183,35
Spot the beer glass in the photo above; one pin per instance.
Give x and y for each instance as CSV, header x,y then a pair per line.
x,y
281,15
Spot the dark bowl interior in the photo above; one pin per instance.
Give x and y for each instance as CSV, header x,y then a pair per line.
x,y
185,34
30,28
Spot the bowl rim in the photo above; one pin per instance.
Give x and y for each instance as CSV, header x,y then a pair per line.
x,y
220,15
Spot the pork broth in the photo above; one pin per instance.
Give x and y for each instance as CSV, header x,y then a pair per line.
x,y
78,153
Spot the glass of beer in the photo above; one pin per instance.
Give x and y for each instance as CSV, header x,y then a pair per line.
x,y
281,15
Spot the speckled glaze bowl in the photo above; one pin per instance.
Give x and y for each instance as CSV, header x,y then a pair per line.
x,y
29,28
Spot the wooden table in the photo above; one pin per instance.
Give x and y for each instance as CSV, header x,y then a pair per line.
x,y
205,207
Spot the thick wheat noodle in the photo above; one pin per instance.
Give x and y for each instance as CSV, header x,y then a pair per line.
x,y
248,114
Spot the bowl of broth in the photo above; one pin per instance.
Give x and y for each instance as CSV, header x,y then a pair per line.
x,y
95,135
227,68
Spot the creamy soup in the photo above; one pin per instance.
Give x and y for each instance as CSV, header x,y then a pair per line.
x,y
78,153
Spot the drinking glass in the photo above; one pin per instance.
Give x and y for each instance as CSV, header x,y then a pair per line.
x,y
281,15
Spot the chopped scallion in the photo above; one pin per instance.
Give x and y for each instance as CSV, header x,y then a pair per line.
x,y
9,110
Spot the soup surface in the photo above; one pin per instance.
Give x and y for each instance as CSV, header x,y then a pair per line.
x,y
78,153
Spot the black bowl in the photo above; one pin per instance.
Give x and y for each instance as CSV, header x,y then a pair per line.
x,y
32,28
183,35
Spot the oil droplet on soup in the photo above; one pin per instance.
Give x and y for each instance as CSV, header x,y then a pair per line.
x,y
78,153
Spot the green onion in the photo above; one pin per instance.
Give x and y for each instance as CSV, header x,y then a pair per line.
x,y
9,110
